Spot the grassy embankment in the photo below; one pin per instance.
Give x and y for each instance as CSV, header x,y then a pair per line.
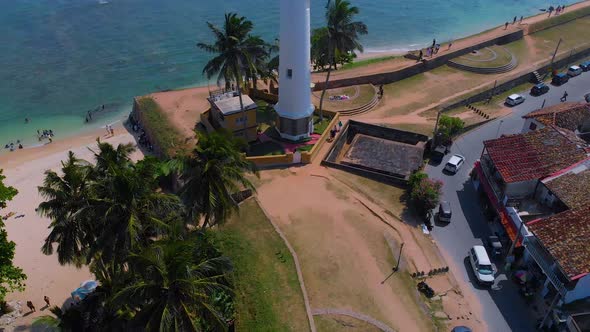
x,y
164,135
268,296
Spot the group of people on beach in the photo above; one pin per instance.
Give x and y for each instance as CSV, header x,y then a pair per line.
x,y
558,10
45,134
11,146
143,139
432,50
32,308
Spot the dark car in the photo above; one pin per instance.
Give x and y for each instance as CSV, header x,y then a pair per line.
x,y
560,79
587,97
438,154
539,89
444,211
585,65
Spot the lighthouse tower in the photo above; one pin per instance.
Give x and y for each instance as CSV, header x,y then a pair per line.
x,y
294,109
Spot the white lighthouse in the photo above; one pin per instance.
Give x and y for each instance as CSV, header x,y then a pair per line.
x,y
294,108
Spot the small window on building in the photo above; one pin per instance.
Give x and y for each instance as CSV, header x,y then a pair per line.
x,y
533,126
290,73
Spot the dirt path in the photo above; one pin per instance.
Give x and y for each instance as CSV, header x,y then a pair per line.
x,y
330,311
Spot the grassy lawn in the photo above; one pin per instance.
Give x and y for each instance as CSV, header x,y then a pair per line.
x,y
573,34
424,129
365,95
320,126
502,58
268,148
268,296
366,62
305,148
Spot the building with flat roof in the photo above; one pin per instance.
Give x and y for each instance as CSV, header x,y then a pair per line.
x,y
227,113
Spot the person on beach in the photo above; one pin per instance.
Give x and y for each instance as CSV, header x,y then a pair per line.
x,y
420,55
564,97
112,131
433,42
514,20
520,22
31,306
46,299
26,120
506,26
450,44
50,140
108,129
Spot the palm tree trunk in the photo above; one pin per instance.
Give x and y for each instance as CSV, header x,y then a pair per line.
x,y
326,83
238,82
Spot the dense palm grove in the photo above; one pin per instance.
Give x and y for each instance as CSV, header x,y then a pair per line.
x,y
143,228
149,250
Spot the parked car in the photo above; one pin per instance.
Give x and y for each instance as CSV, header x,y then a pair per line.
x,y
461,329
495,246
574,71
585,65
437,155
560,79
455,163
587,97
539,89
444,211
514,100
482,266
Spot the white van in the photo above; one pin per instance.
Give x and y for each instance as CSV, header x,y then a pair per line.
x,y
482,266
514,99
454,163
574,71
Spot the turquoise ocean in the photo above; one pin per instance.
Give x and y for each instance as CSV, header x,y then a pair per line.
x,y
61,58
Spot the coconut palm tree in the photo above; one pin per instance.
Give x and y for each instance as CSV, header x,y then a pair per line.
x,y
343,35
234,49
67,205
211,174
173,287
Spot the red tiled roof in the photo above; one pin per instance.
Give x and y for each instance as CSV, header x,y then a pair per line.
x,y
530,156
565,236
572,185
564,115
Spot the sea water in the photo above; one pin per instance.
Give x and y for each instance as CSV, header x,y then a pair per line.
x,y
60,59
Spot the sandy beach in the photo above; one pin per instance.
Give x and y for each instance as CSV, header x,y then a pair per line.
x,y
24,170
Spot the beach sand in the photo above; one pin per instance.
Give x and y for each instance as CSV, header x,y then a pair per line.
x,y
24,170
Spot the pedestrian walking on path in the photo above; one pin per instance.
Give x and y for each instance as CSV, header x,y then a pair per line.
x,y
31,306
564,97
520,22
506,26
46,299
514,20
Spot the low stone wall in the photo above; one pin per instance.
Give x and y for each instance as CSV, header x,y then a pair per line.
x,y
521,79
394,76
347,134
268,161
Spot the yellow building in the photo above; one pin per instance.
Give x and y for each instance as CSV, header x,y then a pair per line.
x,y
226,113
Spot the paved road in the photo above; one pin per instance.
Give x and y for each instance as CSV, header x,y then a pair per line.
x,y
503,307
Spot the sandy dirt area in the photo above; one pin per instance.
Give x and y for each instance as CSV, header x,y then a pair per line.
x,y
340,238
24,170
184,107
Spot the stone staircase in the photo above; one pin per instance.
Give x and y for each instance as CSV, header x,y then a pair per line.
x,y
365,108
537,78
487,70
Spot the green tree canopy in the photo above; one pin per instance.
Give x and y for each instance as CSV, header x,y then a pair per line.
x,y
11,277
425,193
449,126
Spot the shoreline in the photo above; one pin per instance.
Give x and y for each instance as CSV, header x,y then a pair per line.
x,y
369,54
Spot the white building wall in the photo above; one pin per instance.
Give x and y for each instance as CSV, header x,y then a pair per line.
x,y
520,189
527,125
294,66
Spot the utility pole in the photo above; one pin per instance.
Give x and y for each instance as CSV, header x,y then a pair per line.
x,y
543,106
555,53
435,130
394,270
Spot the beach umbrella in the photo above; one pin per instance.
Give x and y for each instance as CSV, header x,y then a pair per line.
x,y
85,288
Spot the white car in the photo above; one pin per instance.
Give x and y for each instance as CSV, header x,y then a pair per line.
x,y
574,71
455,163
514,100
482,267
